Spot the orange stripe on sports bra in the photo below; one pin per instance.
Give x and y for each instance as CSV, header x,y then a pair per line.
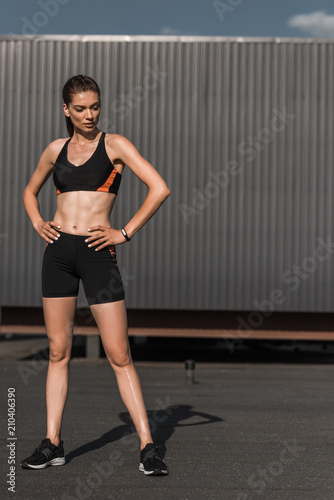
x,y
105,187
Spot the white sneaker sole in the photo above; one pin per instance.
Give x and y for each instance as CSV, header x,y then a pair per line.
x,y
156,472
54,461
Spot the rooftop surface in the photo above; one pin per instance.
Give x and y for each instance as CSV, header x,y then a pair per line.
x,y
256,429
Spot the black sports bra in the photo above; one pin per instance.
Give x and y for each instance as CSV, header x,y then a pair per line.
x,y
96,174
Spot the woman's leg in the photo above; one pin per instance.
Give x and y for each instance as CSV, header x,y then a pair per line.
x,y
111,320
59,318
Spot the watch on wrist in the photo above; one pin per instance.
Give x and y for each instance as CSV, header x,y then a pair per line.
x,y
125,234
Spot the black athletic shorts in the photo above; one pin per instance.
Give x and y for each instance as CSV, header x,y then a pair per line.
x,y
69,259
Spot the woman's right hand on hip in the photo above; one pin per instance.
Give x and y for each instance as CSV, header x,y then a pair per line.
x,y
46,231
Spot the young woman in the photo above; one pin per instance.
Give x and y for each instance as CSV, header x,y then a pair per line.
x,y
81,244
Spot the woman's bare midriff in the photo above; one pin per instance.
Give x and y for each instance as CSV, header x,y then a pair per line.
x,y
79,210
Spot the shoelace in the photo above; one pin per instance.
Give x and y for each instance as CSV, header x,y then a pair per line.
x,y
41,447
153,453
44,449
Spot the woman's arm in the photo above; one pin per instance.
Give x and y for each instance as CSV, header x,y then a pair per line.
x,y
30,201
158,192
158,189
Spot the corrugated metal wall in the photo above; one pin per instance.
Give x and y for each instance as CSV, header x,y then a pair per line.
x,y
240,129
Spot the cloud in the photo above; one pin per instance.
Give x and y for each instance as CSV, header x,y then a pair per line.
x,y
317,23
167,30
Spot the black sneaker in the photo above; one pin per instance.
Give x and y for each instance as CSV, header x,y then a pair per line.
x,y
151,462
45,454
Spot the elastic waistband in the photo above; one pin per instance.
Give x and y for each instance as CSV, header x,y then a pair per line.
x,y
73,236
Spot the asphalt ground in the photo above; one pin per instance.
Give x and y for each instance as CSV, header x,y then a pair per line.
x,y
258,424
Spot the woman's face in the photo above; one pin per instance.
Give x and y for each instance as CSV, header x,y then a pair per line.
x,y
84,110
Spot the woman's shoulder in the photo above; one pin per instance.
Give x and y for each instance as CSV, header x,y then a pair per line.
x,y
117,141
58,143
114,137
54,147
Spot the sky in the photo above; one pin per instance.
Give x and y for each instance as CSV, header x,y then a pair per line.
x,y
246,18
